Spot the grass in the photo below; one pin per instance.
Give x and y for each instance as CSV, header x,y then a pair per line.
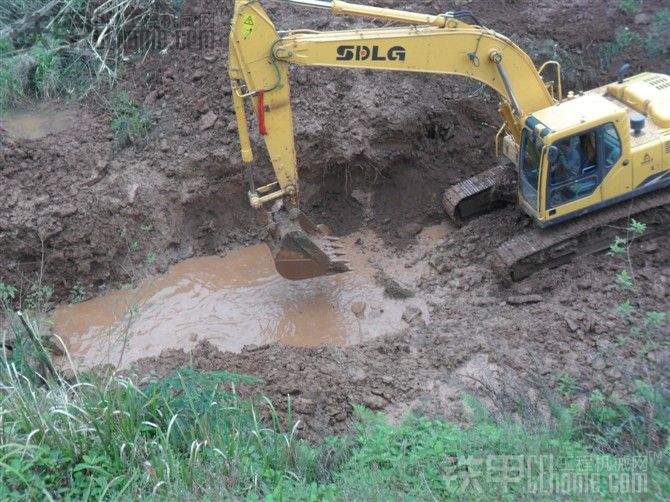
x,y
613,426
656,43
623,38
629,6
131,121
653,40
190,436
13,81
78,44
41,66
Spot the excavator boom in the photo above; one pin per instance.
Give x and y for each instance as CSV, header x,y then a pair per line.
x,y
627,158
258,69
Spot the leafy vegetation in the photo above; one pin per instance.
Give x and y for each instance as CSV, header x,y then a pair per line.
x,y
629,6
653,40
131,121
50,48
656,42
611,425
190,435
623,38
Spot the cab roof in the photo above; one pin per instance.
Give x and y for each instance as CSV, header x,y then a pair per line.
x,y
577,113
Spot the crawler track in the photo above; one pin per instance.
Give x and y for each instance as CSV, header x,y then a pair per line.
x,y
537,248
480,194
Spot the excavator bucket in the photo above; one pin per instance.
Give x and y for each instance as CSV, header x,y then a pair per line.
x,y
302,249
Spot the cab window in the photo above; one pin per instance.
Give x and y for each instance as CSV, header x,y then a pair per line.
x,y
611,145
573,171
531,148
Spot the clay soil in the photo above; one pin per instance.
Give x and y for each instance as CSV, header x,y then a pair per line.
x,y
375,152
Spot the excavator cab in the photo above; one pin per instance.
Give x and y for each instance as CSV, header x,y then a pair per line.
x,y
568,167
556,177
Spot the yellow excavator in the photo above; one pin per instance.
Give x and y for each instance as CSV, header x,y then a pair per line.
x,y
576,157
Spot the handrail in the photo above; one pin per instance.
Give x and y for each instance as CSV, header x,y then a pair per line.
x,y
559,83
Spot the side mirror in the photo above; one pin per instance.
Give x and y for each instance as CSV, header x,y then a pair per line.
x,y
552,154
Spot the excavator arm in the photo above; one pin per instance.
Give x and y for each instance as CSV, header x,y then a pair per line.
x,y
258,69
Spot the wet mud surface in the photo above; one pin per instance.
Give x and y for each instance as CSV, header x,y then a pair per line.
x,y
38,123
375,151
232,301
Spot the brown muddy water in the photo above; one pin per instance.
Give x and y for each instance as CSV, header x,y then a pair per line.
x,y
232,301
37,123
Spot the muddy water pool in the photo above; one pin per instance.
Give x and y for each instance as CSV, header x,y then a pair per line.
x,y
232,301
35,124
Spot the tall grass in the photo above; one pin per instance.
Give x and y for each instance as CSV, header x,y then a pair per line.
x,y
73,47
190,436
104,435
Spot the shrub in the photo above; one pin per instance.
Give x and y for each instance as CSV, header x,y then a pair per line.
x,y
131,122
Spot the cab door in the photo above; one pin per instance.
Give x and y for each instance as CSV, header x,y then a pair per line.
x,y
617,172
574,173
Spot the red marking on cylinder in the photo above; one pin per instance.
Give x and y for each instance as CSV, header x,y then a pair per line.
x,y
261,113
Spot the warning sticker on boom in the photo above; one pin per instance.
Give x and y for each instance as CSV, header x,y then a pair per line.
x,y
248,26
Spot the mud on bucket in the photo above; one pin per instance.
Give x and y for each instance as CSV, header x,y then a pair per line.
x,y
302,250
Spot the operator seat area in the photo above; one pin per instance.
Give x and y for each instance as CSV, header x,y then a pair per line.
x,y
582,162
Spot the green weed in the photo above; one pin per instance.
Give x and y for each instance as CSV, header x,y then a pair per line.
x,y
150,258
78,292
642,423
39,296
13,75
625,281
47,72
629,6
7,294
107,436
654,320
623,38
625,428
131,122
626,309
567,385
656,43
40,70
73,48
190,436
